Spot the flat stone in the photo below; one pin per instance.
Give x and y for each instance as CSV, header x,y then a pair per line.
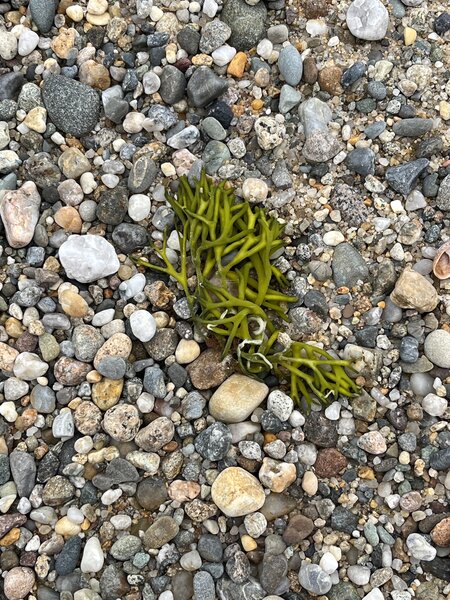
x,y
72,106
348,266
204,86
237,398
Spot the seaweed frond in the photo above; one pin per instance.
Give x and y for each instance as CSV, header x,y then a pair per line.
x,y
229,246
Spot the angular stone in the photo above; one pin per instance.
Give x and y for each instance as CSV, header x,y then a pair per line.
x,y
87,258
204,86
403,178
413,290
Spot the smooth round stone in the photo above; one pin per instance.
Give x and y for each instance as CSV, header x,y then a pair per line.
x,y
237,493
87,258
247,23
15,388
93,558
434,405
213,128
28,41
191,561
43,13
290,65
314,579
29,366
237,398
143,325
367,19
437,348
151,82
139,206
18,583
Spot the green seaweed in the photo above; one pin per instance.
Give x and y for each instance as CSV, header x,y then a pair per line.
x,y
237,297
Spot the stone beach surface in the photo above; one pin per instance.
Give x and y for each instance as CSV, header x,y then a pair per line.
x,y
135,461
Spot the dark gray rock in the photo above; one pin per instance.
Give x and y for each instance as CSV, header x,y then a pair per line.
x,y
4,469
344,590
113,206
320,431
43,12
204,86
443,196
210,548
361,161
247,23
173,84
403,178
214,442
23,470
67,560
129,237
440,460
10,85
72,106
373,130
348,266
344,520
142,174
188,39
353,74
413,128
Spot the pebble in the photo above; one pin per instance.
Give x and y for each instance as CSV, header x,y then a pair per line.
x,y
367,19
437,348
88,258
237,493
237,398
291,65
19,212
314,579
72,106
419,548
93,558
413,290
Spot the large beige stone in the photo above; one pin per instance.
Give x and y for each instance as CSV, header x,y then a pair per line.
x,y
19,211
413,290
237,398
237,493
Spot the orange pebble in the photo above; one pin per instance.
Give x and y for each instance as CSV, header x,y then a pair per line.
x,y
257,105
237,66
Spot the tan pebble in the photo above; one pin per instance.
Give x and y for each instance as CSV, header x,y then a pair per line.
x,y
97,7
67,528
444,110
7,357
248,543
237,493
68,218
73,304
187,351
310,483
118,344
64,42
10,538
237,66
94,74
106,393
36,119
98,20
410,36
75,13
